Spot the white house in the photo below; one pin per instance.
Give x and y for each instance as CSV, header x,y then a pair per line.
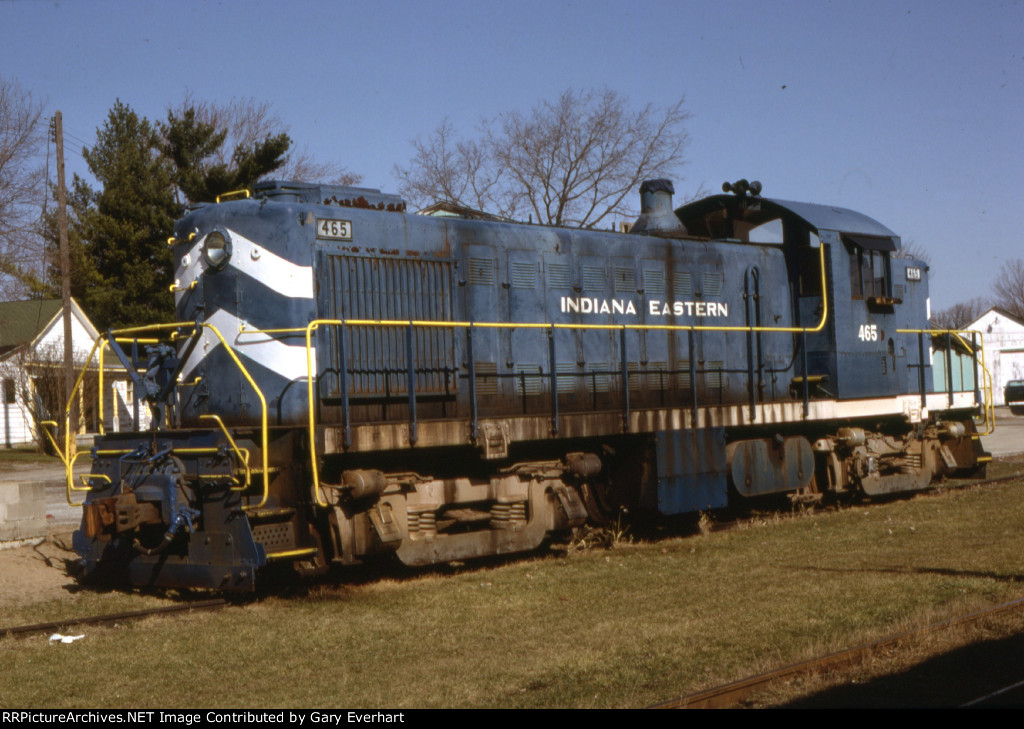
x,y
32,371
1003,339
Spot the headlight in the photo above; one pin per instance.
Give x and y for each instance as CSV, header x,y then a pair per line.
x,y
217,250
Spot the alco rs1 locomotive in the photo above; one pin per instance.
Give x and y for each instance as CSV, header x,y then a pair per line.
x,y
347,380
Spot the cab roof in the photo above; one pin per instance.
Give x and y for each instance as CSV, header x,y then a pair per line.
x,y
714,217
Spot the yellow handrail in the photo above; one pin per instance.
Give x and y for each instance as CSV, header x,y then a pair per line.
x,y
244,460
123,335
263,413
69,462
234,193
985,386
540,325
99,383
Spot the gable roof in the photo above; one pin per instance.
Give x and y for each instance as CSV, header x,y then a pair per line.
x,y
996,310
21,322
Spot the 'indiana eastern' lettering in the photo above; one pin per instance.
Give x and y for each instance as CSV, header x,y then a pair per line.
x,y
655,307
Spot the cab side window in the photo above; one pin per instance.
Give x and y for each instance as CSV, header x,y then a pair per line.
x,y
870,268
869,273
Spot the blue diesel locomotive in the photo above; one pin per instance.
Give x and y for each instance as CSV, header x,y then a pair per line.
x,y
347,380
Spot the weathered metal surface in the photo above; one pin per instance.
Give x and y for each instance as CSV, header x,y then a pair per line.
x,y
691,471
521,428
770,465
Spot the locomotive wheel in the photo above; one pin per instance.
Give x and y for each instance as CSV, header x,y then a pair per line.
x,y
598,513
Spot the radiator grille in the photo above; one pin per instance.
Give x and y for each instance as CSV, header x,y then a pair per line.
x,y
396,289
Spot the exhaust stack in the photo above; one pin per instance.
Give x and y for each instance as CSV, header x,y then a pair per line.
x,y
656,214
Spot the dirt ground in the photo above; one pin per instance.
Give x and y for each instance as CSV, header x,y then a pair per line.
x,y
35,572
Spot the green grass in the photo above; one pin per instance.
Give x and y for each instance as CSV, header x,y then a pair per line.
x,y
25,454
623,627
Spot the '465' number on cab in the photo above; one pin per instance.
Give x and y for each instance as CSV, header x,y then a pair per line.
x,y
868,333
334,229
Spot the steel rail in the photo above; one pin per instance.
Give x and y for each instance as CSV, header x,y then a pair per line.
x,y
722,697
18,630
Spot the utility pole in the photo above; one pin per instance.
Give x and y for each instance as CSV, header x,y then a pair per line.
x,y
65,285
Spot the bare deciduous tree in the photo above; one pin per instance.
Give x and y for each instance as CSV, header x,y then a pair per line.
x,y
22,136
961,314
248,122
448,168
910,249
1009,288
573,161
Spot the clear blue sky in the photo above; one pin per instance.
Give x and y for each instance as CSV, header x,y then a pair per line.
x,y
909,112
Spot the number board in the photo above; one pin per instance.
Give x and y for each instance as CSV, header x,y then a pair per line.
x,y
334,229
913,273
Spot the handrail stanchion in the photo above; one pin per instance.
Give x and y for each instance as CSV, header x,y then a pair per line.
x,y
920,374
949,367
693,375
974,363
624,360
343,384
554,380
411,382
474,426
806,387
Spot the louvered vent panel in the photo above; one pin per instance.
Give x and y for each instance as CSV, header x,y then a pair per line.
x,y
558,275
566,377
625,280
682,284
683,376
657,376
529,380
396,289
713,375
598,378
481,271
634,376
593,279
712,284
654,282
524,275
486,378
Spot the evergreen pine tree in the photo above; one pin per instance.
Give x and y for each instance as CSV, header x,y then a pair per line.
x,y
124,226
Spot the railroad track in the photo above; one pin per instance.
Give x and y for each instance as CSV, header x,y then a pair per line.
x,y
21,630
730,694
718,697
